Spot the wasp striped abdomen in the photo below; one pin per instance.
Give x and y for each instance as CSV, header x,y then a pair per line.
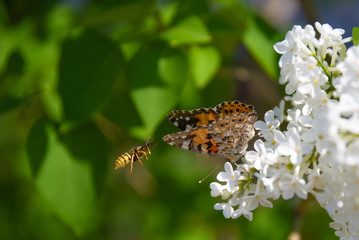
x,y
135,154
123,160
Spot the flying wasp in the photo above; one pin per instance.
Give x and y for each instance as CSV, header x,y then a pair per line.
x,y
133,155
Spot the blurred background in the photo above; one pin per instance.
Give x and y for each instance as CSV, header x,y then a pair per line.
x,y
83,81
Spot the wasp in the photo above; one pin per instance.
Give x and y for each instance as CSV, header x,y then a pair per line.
x,y
133,155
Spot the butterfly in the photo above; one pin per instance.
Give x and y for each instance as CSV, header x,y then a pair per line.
x,y
133,155
223,131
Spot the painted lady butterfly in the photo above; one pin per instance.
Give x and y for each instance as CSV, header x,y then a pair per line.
x,y
222,131
133,155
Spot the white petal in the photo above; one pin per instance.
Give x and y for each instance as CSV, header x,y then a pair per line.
x,y
269,116
284,149
306,121
227,211
281,47
259,125
266,203
252,156
228,167
216,189
223,177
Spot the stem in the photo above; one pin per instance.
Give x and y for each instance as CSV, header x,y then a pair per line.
x,y
298,217
320,64
329,75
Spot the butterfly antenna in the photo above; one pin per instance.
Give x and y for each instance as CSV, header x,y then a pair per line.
x,y
200,181
240,165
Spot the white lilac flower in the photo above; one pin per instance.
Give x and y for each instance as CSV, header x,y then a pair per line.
x,y
294,44
314,179
318,133
216,189
226,207
293,118
271,185
288,74
279,111
287,48
291,185
319,99
308,68
261,156
327,33
273,138
253,201
242,211
352,153
294,147
328,37
349,68
326,200
312,84
229,176
269,124
310,142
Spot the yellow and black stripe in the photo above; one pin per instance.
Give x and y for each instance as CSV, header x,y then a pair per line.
x,y
135,154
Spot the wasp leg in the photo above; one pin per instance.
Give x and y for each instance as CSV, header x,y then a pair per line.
x,y
145,155
133,155
139,159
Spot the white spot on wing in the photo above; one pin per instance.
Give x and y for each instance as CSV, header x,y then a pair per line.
x,y
185,144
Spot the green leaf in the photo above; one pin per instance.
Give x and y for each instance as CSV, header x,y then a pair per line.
x,y
129,49
142,69
189,30
88,143
89,66
65,182
155,84
356,36
124,12
52,104
205,62
37,145
173,69
167,11
119,104
190,96
152,103
260,45
9,103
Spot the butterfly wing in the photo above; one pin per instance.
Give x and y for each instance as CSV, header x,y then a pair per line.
x,y
198,139
226,137
232,134
186,120
233,107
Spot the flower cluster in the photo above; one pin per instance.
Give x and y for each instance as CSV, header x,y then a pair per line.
x,y
310,141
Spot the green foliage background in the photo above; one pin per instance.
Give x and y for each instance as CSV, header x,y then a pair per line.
x,y
80,84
